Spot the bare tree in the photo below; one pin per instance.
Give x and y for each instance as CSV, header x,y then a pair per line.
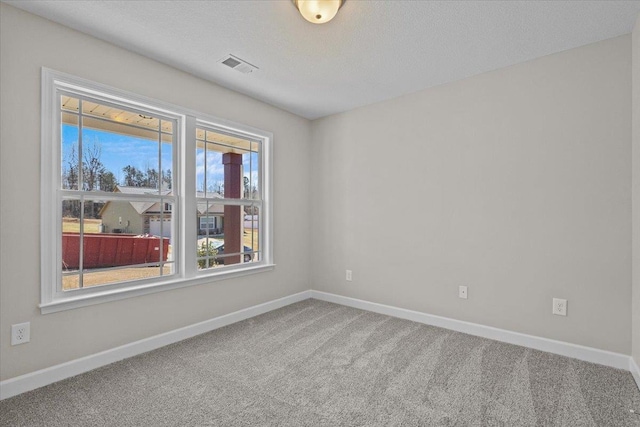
x,y
92,166
167,179
70,173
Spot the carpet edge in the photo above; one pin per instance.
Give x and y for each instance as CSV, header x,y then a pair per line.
x,y
40,378
576,351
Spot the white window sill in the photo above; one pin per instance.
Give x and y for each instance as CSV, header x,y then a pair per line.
x,y
78,301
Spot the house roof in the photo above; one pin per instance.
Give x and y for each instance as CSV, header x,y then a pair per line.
x,y
213,208
141,190
143,206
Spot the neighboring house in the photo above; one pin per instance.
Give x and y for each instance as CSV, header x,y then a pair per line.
x,y
136,217
211,220
144,217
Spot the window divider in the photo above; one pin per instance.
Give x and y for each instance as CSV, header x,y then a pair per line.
x,y
189,203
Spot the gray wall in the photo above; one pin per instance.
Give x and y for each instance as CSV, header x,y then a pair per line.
x,y
28,43
636,192
516,183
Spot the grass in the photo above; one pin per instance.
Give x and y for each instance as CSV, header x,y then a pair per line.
x,y
248,234
112,276
72,225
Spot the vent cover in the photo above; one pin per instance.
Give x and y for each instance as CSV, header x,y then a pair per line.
x,y
238,64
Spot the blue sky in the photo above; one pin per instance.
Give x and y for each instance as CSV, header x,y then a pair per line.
x,y
120,150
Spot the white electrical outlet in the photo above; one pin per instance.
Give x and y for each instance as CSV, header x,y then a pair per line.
x,y
462,292
349,276
560,306
20,333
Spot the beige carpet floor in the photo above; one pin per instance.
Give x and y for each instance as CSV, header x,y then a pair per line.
x,y
320,364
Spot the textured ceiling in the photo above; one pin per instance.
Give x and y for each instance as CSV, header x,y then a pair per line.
x,y
372,50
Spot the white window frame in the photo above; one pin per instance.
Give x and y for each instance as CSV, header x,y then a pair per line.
x,y
184,212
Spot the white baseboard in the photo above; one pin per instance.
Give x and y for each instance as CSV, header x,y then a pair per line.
x,y
33,380
635,371
588,354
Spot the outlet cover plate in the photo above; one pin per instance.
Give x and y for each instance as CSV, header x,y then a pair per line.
x,y
560,307
462,292
20,333
349,276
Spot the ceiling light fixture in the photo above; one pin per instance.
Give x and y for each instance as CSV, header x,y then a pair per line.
x,y
318,11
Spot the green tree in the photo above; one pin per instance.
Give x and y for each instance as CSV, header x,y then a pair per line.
x,y
207,250
133,177
108,181
151,178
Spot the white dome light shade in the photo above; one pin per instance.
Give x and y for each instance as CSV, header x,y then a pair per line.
x,y
318,11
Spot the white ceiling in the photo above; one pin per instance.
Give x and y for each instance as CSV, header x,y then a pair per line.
x,y
371,51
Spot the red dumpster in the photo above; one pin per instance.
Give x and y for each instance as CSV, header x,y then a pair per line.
x,y
111,250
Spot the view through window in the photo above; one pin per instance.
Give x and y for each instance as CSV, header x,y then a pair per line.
x,y
228,198
117,193
140,195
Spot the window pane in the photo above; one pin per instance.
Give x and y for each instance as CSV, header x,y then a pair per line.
x,y
166,158
108,148
111,276
134,238
209,168
116,114
251,232
251,188
70,282
70,236
159,223
255,170
115,154
210,220
226,234
234,143
200,170
226,166
214,176
224,171
68,103
207,251
69,149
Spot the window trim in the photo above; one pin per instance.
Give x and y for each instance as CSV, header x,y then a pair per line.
x,y
184,192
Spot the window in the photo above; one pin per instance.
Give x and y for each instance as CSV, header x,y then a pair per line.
x,y
116,171
227,189
122,211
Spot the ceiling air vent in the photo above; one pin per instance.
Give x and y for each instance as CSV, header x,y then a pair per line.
x,y
238,64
